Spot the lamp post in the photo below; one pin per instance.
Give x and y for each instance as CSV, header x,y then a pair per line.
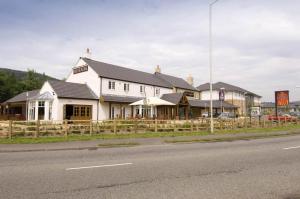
x,y
210,65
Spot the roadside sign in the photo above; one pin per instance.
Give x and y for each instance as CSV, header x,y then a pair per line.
x,y
282,98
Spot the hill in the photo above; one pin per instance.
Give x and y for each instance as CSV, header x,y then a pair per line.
x,y
13,82
20,75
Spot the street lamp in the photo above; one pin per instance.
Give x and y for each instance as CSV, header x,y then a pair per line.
x,y
210,65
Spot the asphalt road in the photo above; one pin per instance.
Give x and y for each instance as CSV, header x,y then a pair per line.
x,y
268,168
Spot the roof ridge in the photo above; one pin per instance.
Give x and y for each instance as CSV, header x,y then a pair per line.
x,y
118,66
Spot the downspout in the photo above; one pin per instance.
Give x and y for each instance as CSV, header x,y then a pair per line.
x,y
99,98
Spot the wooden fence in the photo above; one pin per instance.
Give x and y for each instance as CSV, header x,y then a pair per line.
x,y
10,129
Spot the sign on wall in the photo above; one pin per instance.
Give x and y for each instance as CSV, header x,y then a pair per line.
x,y
222,95
281,98
80,69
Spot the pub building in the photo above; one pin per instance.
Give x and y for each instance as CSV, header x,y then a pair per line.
x,y
95,90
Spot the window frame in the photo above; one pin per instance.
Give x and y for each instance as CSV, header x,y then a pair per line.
x,y
111,85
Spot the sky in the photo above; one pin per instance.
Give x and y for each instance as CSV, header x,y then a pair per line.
x,y
256,43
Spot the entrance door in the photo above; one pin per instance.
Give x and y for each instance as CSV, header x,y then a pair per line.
x,y
69,111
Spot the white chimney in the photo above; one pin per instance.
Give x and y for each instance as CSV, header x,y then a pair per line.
x,y
157,69
88,53
190,80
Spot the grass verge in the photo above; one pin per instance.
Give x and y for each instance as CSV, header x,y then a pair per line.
x,y
28,140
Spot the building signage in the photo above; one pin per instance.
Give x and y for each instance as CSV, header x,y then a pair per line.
x,y
281,98
222,95
80,69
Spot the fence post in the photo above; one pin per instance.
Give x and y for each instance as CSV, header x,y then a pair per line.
x,y
175,129
135,125
197,125
65,126
115,126
37,132
155,127
192,125
10,129
91,127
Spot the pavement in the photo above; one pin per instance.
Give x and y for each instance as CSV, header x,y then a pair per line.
x,y
263,168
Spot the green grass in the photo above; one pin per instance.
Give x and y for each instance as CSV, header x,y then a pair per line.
x,y
28,140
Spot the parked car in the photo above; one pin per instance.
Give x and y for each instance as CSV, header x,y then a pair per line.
x,y
284,117
295,114
205,114
226,115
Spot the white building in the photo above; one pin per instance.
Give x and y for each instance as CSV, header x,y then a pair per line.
x,y
235,95
98,91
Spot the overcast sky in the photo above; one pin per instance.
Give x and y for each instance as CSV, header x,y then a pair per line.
x,y
256,42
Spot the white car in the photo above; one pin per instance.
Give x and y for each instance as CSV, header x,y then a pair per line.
x,y
205,114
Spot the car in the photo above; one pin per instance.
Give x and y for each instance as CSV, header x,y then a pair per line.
x,y
295,114
205,114
284,117
226,115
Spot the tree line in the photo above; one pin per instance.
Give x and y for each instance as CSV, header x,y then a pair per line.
x,y
12,83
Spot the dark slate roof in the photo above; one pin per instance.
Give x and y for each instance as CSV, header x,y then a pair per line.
x,y
176,81
206,104
22,97
267,105
125,74
120,99
296,103
228,87
172,97
72,90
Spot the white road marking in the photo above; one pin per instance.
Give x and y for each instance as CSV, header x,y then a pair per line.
x,y
293,147
99,166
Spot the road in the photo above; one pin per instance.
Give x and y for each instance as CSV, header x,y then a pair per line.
x,y
266,168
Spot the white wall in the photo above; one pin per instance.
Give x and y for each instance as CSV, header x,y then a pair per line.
x,y
89,77
257,100
134,89
47,88
205,95
103,111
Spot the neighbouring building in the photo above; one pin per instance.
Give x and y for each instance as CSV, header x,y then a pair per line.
x,y
268,108
234,95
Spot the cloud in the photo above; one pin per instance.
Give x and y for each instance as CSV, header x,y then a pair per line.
x,y
256,43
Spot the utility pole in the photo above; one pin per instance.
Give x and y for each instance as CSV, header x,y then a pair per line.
x,y
210,66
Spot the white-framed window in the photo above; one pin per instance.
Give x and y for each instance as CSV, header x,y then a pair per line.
x,y
50,111
31,115
157,91
111,85
126,87
142,89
